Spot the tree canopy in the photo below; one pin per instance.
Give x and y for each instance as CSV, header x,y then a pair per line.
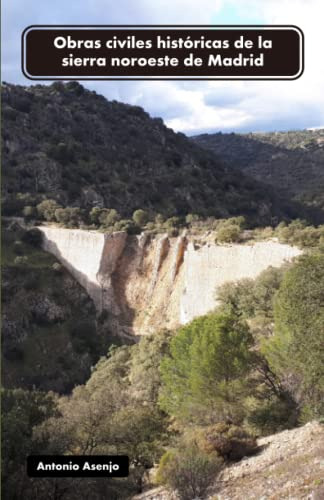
x,y
296,350
204,375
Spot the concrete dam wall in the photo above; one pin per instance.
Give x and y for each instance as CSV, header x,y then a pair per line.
x,y
148,282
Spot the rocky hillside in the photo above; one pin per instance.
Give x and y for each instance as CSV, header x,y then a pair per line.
x,y
50,334
69,144
289,465
290,161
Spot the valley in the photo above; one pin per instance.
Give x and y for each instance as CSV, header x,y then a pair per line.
x,y
292,161
162,299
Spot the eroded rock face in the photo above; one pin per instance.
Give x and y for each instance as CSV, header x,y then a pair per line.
x,y
113,248
148,283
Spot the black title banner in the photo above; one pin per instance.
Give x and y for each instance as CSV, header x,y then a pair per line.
x,y
77,466
162,52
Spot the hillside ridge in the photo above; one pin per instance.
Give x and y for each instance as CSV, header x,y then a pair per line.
x,y
292,162
70,144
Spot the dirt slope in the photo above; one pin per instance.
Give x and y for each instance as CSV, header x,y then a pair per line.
x,y
289,466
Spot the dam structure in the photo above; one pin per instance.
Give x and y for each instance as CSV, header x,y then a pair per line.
x,y
149,282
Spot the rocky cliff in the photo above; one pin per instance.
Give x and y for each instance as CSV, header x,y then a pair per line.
x,y
148,282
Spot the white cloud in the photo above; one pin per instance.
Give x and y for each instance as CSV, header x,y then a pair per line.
x,y
251,105
193,106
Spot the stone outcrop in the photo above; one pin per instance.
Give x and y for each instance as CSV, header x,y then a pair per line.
x,y
148,283
113,248
161,252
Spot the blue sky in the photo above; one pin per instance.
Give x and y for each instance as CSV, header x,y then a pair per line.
x,y
229,13
192,107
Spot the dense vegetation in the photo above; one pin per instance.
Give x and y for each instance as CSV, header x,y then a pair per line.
x,y
65,143
229,230
190,401
289,161
296,350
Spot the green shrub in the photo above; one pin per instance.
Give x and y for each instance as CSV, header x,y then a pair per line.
x,y
46,209
251,298
229,441
295,351
235,221
272,415
69,216
174,223
206,374
150,226
191,218
159,219
140,217
108,217
188,471
228,234
94,215
127,225
300,234
75,87
58,86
